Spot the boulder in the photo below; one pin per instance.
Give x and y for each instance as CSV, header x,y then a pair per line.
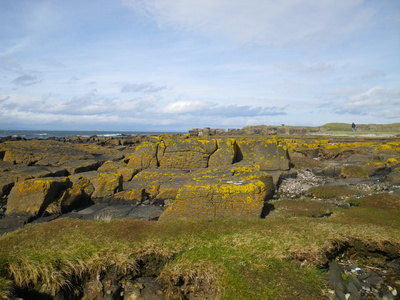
x,y
105,184
7,181
225,154
140,189
119,167
393,178
32,197
187,154
268,154
233,198
354,171
169,189
145,156
79,194
79,166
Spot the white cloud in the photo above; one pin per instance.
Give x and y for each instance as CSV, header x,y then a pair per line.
x,y
376,102
374,97
183,106
258,21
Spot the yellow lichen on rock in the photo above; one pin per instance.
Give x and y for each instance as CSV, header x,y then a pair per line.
x,y
33,196
227,199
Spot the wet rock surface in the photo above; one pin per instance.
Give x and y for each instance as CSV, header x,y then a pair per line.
x,y
353,277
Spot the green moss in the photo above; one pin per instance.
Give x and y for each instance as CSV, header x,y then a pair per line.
x,y
303,208
354,171
382,200
326,192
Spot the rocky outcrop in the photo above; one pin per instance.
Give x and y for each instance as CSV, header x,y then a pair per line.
x,y
269,154
186,154
32,197
192,177
189,154
238,197
144,157
105,184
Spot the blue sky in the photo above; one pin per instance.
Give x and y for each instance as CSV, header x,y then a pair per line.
x,y
181,64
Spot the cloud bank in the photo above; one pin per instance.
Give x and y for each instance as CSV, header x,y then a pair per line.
x,y
179,64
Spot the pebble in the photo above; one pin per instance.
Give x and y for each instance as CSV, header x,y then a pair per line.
x,y
377,282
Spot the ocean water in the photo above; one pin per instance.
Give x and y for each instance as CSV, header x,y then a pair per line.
x,y
45,134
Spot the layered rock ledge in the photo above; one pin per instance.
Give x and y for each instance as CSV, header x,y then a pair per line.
x,y
176,176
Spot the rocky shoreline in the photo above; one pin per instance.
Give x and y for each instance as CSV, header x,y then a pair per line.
x,y
167,177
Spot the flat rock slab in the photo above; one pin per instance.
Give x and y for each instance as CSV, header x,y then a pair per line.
x,y
146,212
9,224
105,211
92,209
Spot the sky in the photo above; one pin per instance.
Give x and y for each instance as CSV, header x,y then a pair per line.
x,y
174,65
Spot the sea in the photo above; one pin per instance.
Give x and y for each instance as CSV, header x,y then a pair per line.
x,y
46,134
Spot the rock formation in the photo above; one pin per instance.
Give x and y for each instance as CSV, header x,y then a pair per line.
x,y
186,177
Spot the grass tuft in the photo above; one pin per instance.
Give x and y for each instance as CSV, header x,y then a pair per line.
x,y
303,207
327,192
382,201
6,289
219,259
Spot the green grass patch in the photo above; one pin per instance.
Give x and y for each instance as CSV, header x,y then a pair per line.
x,y
382,201
303,207
221,259
354,171
327,192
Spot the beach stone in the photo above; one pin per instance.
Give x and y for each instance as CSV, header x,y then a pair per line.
x,y
112,212
133,196
268,154
11,223
187,154
144,156
6,183
93,290
210,200
393,178
140,190
106,185
225,154
80,166
78,195
353,280
143,288
340,295
386,295
354,171
118,167
32,197
374,280
145,212
334,277
353,291
169,190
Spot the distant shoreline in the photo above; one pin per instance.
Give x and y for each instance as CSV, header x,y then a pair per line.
x,y
46,134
